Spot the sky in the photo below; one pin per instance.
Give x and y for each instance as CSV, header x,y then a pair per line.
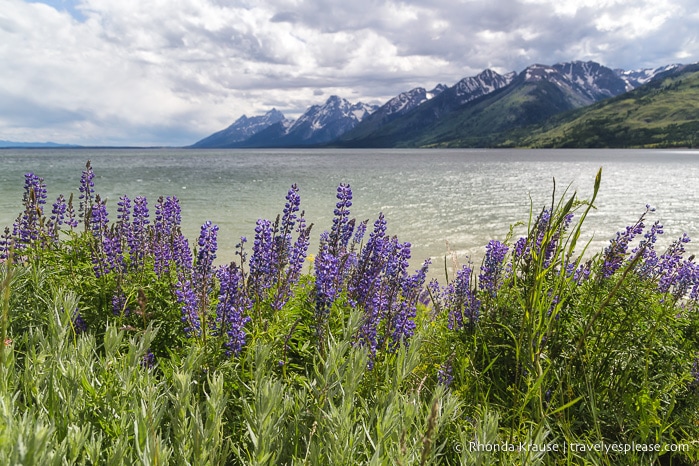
x,y
170,72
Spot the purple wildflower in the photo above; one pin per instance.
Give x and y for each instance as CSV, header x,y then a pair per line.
x,y
207,251
124,214
233,305
326,271
168,217
119,304
404,319
28,226
292,206
79,325
341,231
263,262
193,291
103,247
647,247
297,257
137,238
491,270
182,254
369,266
188,297
582,273
445,374
617,251
670,263
460,302
61,214
520,248
695,372
87,189
6,244
148,360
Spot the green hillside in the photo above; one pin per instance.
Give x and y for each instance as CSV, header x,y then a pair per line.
x,y
489,121
483,122
663,113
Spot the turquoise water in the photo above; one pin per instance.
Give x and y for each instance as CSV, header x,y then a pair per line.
x,y
438,200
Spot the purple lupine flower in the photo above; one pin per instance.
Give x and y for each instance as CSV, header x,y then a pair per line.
x,y
79,325
444,374
87,189
233,305
192,291
686,277
148,360
263,261
359,233
582,273
182,254
369,266
98,218
552,245
297,257
6,244
491,270
113,251
670,262
650,258
341,231
617,251
326,272
168,217
27,228
119,304
107,255
138,240
240,250
207,251
460,302
188,297
404,320
520,248
123,223
292,206
695,372
299,250
99,227
542,226
59,212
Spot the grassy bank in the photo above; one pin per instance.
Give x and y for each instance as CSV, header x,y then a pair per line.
x,y
123,343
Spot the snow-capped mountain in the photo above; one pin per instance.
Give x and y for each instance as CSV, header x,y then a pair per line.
x,y
242,129
473,87
635,78
323,123
406,101
319,124
394,108
585,82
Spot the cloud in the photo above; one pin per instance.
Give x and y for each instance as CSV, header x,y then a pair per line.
x,y
163,72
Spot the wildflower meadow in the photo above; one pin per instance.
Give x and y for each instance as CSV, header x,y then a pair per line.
x,y
124,342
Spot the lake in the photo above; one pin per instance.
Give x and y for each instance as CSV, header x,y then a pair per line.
x,y
431,198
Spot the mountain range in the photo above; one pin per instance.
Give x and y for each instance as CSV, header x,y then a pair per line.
x,y
486,110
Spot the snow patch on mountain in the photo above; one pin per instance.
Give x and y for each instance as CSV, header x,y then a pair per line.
x,y
635,78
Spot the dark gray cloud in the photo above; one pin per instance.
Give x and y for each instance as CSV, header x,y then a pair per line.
x,y
133,72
